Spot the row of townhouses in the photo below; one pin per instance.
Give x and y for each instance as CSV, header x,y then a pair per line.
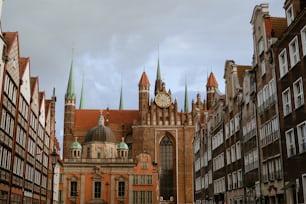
x,y
27,128
250,142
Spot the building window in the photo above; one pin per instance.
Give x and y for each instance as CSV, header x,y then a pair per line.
x,y
283,63
73,189
263,67
238,150
121,188
166,168
97,190
229,181
144,165
239,178
286,101
228,156
233,153
301,132
303,38
298,93
290,141
289,15
294,52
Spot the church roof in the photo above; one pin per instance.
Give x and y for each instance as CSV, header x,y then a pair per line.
x,y
100,133
88,118
211,81
144,79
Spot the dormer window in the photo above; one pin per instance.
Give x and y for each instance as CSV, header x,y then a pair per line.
x,y
289,15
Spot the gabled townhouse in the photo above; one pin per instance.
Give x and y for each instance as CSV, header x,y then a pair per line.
x,y
289,53
27,130
233,75
266,30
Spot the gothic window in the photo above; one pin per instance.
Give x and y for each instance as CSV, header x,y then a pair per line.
x,y
166,168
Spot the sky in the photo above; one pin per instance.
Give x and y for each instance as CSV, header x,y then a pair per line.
x,y
111,42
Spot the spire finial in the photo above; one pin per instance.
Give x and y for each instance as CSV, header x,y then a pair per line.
x,y
121,98
186,109
82,102
70,86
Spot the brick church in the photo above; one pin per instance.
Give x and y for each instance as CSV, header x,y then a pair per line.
x,y
128,156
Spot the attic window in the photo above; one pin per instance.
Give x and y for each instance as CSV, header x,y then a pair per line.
x,y
289,15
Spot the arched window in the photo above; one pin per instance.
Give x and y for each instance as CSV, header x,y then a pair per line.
x,y
166,168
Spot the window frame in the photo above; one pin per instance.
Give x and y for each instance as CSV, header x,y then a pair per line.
x,y
294,52
283,63
303,40
301,136
289,15
286,95
300,94
290,142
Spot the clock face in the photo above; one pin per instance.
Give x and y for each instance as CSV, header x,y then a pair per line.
x,y
163,100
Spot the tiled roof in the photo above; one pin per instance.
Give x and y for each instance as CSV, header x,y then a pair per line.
x,y
10,37
144,79
89,118
275,26
240,72
23,61
211,81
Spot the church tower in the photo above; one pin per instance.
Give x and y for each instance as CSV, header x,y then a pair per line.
x,y
69,114
211,87
144,95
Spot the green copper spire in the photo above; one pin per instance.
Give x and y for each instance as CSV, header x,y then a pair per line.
x,y
158,77
121,100
82,102
186,109
70,87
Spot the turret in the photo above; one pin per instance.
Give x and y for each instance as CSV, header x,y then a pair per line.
x,y
211,87
144,95
69,113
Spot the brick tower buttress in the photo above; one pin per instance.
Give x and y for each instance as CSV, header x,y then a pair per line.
x,y
69,114
144,97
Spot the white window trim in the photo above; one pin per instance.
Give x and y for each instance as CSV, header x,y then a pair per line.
x,y
287,103
290,145
303,38
298,97
294,54
290,19
283,66
301,140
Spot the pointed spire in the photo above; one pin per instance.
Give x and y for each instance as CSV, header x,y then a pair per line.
x,y
211,81
158,75
158,81
144,80
186,109
82,102
121,99
70,86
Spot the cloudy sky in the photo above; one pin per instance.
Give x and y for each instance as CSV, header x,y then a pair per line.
x,y
114,41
